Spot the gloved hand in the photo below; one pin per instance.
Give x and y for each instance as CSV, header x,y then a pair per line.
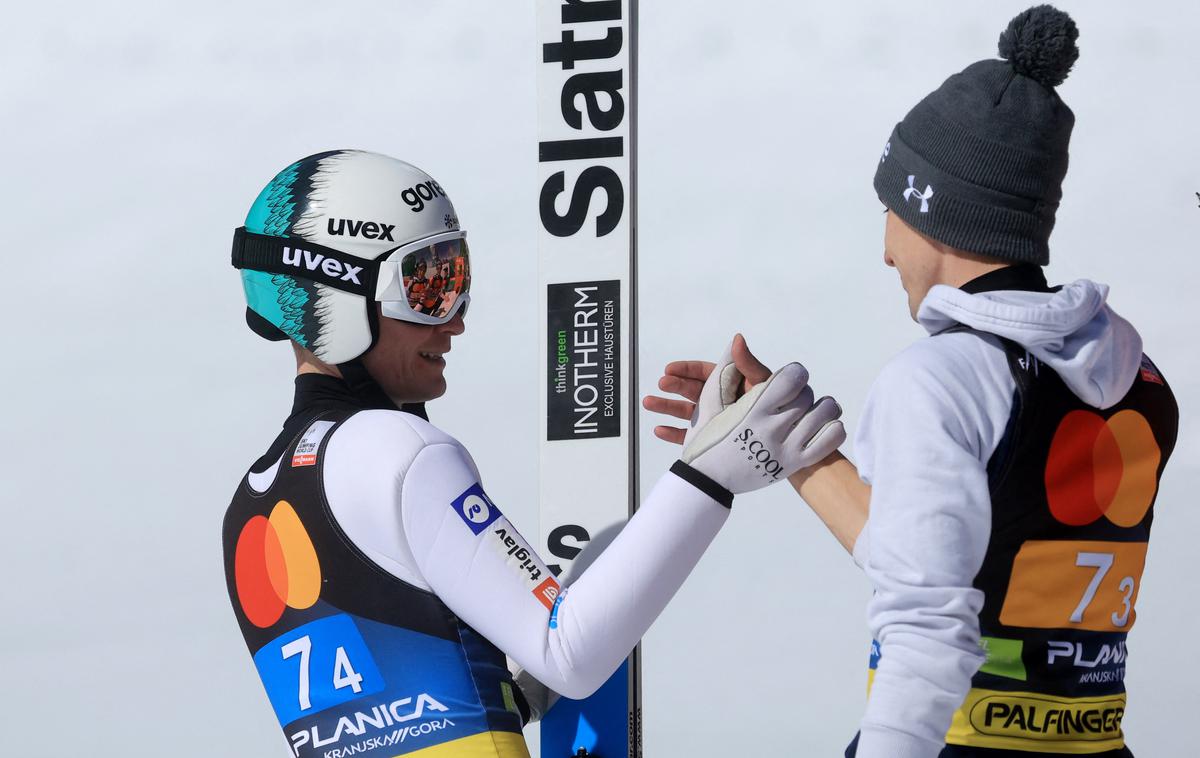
x,y
768,434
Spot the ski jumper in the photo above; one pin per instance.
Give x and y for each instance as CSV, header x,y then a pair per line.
x,y
1049,534
379,588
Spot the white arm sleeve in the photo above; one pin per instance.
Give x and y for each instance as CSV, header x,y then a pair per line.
x,y
478,564
932,420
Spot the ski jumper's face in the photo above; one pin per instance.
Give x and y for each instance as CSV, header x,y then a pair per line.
x,y
923,262
407,360
914,257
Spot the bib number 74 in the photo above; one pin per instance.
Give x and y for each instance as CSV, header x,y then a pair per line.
x,y
344,674
319,665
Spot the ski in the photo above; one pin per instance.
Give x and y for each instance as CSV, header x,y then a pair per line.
x,y
588,473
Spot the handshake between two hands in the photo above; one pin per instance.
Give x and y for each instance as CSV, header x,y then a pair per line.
x,y
749,426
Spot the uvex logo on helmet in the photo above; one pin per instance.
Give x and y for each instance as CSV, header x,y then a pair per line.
x,y
414,197
294,256
757,452
370,230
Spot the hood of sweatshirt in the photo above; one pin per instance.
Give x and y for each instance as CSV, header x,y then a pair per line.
x,y
1095,352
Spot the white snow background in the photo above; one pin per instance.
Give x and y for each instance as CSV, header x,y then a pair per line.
x,y
139,133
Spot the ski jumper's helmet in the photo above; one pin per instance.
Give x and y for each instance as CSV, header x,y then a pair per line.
x,y
337,232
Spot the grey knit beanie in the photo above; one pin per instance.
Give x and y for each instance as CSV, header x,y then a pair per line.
x,y
979,163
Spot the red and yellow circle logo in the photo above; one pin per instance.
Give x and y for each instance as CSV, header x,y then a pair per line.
x,y
275,566
1102,468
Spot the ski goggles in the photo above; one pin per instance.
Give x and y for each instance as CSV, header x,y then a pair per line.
x,y
427,281
423,282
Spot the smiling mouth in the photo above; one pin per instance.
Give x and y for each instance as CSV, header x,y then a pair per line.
x,y
432,356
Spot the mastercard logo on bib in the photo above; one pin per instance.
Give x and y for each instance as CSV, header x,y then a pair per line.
x,y
1099,467
275,566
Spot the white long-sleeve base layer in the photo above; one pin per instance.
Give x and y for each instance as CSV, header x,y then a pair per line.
x,y
391,481
932,420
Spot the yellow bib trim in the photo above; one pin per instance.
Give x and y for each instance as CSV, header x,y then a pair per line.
x,y
483,745
1038,723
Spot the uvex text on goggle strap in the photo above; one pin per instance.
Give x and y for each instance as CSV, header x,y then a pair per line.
x,y
424,282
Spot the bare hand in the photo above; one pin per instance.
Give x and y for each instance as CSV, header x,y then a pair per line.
x,y
686,379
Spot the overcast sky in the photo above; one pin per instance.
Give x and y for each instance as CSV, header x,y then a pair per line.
x,y
139,133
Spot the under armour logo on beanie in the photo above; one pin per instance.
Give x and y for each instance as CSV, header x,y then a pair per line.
x,y
912,192
993,139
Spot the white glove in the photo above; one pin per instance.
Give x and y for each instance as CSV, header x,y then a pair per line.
x,y
771,432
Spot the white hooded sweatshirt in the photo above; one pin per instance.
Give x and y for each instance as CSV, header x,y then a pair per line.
x,y
932,421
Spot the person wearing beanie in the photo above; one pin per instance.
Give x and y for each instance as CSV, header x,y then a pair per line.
x,y
1010,460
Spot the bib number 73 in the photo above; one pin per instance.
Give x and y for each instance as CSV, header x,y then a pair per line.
x,y
1059,584
1102,562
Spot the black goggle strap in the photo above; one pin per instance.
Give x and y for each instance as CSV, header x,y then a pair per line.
x,y
299,257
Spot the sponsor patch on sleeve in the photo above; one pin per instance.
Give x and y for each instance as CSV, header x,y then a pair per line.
x,y
306,451
475,508
548,595
481,515
519,556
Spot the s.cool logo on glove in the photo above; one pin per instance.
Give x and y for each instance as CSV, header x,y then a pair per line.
x,y
757,452
776,426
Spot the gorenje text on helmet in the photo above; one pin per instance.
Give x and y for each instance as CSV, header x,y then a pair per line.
x,y
414,197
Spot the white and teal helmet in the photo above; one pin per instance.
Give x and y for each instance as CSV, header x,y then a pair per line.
x,y
336,232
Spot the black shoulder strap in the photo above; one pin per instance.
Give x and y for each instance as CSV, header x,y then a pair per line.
x,y
1025,370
